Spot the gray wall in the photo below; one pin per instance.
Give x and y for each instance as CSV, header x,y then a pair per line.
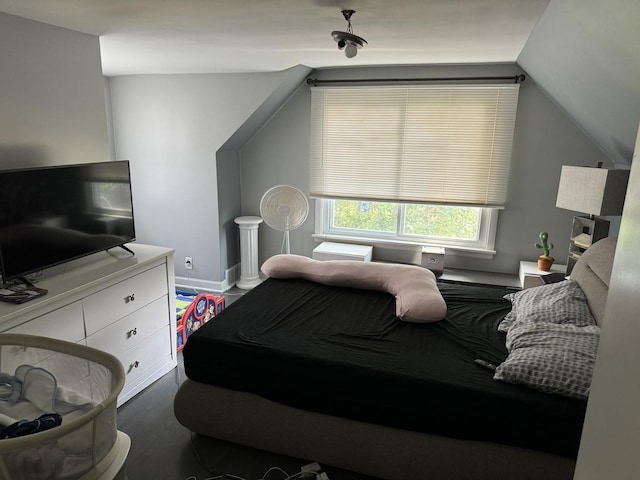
x,y
545,139
279,154
229,207
52,108
586,55
170,127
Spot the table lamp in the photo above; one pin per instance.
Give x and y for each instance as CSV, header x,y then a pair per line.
x,y
596,192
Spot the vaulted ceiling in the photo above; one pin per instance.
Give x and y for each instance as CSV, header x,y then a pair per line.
x,y
190,36
584,54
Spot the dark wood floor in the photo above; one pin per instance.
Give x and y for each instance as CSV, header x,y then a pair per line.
x,y
160,446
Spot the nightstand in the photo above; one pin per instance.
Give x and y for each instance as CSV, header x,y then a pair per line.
x,y
530,276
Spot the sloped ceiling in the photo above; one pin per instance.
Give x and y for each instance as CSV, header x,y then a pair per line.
x,y
586,55
231,36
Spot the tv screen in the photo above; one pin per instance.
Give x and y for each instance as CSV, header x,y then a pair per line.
x,y
52,215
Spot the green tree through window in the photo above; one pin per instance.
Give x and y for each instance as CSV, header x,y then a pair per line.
x,y
441,221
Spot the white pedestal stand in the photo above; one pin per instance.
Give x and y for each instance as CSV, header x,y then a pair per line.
x,y
249,273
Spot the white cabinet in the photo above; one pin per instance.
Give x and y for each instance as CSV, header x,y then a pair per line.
x,y
142,342
130,331
106,306
145,360
65,323
114,301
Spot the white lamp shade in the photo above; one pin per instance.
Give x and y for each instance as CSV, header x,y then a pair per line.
x,y
595,191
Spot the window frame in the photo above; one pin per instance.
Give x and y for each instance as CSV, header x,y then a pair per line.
x,y
483,247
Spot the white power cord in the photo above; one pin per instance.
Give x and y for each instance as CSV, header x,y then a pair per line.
x,y
311,471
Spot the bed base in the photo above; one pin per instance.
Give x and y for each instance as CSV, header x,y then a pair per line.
x,y
383,452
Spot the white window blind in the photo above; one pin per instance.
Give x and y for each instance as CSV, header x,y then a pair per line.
x,y
419,144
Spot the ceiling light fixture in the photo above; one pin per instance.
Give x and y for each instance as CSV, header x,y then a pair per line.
x,y
347,40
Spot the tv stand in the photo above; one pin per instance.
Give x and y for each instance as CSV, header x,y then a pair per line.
x,y
25,281
113,301
124,247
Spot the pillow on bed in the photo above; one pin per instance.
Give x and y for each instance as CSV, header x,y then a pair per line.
x,y
562,302
417,296
551,357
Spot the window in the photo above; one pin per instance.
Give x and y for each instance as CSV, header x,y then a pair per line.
x,y
468,228
415,163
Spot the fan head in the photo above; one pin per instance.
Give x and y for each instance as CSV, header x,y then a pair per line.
x,y
284,207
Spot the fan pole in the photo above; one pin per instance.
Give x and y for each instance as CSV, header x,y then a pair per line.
x,y
286,248
249,272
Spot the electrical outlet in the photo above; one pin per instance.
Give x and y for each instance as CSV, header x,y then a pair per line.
x,y
188,263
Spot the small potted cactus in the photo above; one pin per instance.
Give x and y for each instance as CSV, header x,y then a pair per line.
x,y
545,261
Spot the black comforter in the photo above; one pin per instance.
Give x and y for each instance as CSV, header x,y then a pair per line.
x,y
343,352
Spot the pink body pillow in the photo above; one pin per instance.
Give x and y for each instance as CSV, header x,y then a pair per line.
x,y
417,296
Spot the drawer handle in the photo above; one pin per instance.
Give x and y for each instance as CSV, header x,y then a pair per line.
x,y
129,298
134,365
132,332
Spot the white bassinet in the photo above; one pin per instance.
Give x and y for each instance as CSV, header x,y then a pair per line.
x,y
78,382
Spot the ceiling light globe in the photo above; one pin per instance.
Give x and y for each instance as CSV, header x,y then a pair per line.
x,y
351,50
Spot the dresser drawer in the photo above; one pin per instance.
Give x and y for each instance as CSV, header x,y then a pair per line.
x,y
133,329
66,323
118,301
138,360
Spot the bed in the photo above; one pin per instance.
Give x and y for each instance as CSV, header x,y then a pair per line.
x,y
331,373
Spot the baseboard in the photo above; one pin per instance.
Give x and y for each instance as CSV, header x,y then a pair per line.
x,y
189,283
231,277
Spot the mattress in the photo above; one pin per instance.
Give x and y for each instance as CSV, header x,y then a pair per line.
x,y
343,352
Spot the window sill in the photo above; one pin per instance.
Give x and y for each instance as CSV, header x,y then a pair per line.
x,y
405,245
485,278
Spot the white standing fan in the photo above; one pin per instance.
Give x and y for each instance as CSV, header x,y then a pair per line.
x,y
284,208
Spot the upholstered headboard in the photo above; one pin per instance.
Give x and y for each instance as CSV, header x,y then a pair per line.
x,y
593,272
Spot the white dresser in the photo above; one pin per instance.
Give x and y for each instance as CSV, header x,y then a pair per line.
x,y
117,302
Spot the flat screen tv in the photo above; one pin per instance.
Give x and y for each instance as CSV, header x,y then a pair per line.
x,y
52,215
